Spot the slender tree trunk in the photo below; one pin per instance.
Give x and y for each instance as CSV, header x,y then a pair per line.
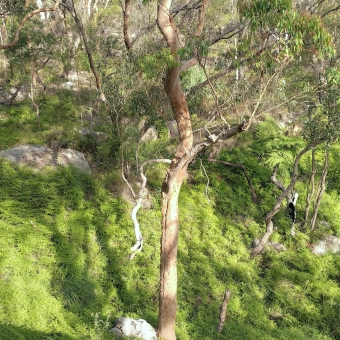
x,y
172,182
89,53
321,190
310,188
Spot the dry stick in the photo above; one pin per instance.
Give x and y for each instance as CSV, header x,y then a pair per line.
x,y
224,307
139,238
252,190
321,190
208,181
278,183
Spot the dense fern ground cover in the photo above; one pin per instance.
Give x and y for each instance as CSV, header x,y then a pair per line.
x,y
65,238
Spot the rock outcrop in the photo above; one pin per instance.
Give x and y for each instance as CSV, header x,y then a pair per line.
x,y
39,156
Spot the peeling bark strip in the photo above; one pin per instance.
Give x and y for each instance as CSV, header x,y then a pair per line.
x,y
139,238
224,307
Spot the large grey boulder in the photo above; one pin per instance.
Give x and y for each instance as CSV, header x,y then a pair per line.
x,y
330,244
35,155
131,327
39,156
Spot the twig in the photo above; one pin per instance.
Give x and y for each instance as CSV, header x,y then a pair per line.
x,y
207,185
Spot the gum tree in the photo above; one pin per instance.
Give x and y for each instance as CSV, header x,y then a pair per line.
x,y
279,32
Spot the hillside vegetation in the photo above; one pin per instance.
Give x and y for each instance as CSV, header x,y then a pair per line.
x,y
231,111
65,239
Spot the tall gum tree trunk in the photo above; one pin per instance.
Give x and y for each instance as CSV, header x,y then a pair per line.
x,y
172,182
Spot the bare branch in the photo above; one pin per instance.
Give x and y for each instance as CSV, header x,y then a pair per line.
x,y
276,181
236,28
207,185
330,11
310,187
139,238
321,190
252,190
201,18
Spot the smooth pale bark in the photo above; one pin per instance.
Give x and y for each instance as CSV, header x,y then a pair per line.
x,y
176,173
139,238
172,182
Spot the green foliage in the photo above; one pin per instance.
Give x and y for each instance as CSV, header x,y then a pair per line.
x,y
323,119
292,29
196,46
274,147
153,65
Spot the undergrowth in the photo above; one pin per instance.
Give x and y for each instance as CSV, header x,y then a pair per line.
x,y
65,239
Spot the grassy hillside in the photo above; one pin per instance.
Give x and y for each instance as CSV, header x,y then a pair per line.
x,y
65,238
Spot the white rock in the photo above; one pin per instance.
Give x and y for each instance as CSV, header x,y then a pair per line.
x,y
131,327
330,244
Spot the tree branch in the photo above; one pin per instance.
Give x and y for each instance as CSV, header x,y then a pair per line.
x,y
139,238
252,190
23,21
